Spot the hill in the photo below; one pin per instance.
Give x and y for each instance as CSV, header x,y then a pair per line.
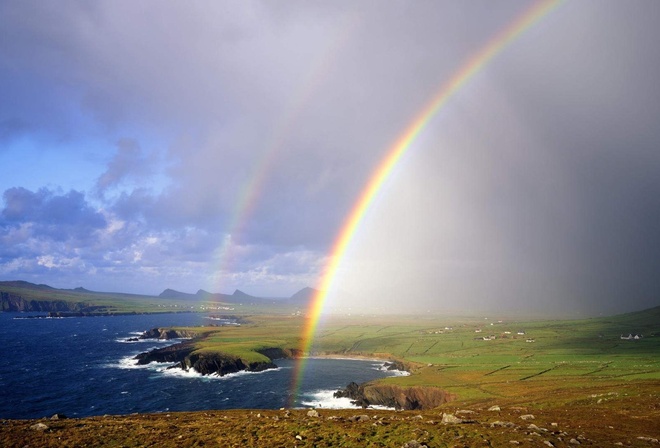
x,y
19,295
301,297
304,295
29,297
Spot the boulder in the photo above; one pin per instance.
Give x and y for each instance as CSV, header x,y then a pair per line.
x,y
413,444
358,418
450,419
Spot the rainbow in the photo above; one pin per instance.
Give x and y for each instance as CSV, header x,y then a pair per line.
x,y
384,169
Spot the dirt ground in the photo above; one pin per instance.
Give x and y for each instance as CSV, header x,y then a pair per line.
x,y
486,425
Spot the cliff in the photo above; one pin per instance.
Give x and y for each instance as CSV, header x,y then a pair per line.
x,y
393,396
221,364
15,302
168,333
173,353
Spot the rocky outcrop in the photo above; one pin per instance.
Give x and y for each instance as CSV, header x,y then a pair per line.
x,y
393,396
221,364
280,353
173,353
168,333
396,365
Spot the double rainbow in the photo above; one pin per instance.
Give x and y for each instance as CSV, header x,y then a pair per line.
x,y
384,169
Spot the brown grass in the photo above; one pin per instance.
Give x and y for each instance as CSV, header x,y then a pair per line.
x,y
627,416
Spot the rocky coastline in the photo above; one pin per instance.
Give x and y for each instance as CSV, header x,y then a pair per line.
x,y
168,333
186,356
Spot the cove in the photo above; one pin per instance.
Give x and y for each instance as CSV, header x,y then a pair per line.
x,y
82,366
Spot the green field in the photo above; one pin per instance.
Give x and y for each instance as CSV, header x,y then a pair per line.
x,y
565,357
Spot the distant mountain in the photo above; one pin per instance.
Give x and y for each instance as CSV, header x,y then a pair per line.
x,y
300,298
213,296
303,296
78,298
24,284
173,294
238,294
237,297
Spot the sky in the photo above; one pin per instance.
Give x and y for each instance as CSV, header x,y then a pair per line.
x,y
221,146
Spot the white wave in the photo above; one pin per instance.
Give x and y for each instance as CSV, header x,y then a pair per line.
x,y
325,399
246,373
134,340
192,373
384,368
180,373
129,362
226,321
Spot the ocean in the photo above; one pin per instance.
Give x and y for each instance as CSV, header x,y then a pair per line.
x,y
83,366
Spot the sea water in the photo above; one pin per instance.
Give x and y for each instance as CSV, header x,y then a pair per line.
x,y
83,366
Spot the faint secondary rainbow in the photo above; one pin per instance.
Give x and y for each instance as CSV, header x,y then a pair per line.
x,y
251,191
387,164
